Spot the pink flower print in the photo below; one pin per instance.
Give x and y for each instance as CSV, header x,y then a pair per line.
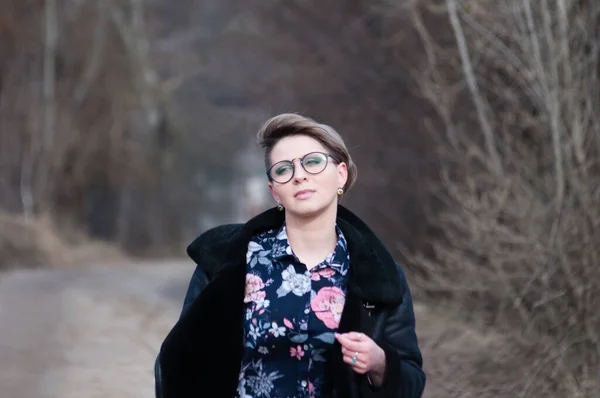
x,y
328,305
254,286
288,324
326,272
311,388
297,352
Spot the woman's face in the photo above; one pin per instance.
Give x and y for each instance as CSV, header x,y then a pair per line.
x,y
306,194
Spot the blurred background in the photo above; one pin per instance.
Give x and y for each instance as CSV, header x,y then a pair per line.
x,y
127,127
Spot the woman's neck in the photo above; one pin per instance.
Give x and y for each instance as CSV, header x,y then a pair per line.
x,y
312,239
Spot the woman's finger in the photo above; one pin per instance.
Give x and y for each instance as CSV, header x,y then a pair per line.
x,y
361,357
357,367
355,357
348,343
348,352
357,336
356,364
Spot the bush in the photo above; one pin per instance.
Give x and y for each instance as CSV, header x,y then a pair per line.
x,y
39,243
519,244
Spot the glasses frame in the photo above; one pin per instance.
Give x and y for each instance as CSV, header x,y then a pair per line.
x,y
327,156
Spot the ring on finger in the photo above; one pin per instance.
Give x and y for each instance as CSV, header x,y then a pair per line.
x,y
355,357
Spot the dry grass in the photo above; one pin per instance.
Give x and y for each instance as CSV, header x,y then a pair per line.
x,y
39,243
463,359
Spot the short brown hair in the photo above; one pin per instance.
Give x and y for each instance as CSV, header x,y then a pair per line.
x,y
289,124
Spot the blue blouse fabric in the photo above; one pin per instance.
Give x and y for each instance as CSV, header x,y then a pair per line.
x,y
291,316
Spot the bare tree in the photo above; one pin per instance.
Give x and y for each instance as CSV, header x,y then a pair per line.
x,y
521,247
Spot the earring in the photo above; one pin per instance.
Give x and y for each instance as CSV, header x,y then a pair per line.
x,y
279,207
340,191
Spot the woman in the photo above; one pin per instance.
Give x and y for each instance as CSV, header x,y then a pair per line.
x,y
301,301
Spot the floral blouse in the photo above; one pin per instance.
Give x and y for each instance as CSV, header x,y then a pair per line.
x,y
291,317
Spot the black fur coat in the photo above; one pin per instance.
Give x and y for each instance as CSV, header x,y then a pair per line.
x,y
196,361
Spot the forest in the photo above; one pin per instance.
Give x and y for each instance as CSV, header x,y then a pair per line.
x,y
475,125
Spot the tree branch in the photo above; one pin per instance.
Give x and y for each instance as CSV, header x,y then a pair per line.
x,y
478,100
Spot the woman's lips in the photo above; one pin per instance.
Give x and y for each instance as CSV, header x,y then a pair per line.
x,y
304,194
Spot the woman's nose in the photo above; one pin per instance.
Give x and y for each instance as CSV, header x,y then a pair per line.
x,y
299,172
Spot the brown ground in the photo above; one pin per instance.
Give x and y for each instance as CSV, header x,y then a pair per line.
x,y
94,332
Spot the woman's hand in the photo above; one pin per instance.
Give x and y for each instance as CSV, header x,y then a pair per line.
x,y
363,355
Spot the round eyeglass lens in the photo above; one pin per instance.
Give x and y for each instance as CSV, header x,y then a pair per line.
x,y
282,171
315,162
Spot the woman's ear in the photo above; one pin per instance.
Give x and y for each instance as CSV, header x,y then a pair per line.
x,y
272,189
342,174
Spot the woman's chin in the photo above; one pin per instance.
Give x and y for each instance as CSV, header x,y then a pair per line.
x,y
307,208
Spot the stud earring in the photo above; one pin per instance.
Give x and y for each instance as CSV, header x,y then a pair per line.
x,y
279,207
340,191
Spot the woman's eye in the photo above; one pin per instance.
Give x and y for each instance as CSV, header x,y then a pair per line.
x,y
282,170
314,161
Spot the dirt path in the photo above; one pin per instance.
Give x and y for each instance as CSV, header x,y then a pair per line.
x,y
94,332
90,332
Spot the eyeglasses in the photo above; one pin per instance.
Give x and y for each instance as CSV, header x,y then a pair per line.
x,y
312,163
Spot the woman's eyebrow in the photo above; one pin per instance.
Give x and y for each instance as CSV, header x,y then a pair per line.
x,y
297,157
